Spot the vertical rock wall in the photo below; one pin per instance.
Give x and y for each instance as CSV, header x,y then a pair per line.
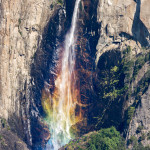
x,y
122,19
126,23
21,27
122,23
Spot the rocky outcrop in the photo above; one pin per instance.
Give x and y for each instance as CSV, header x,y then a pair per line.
x,y
145,13
122,19
140,124
10,141
116,16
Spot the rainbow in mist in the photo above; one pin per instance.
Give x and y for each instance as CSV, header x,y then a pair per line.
x,y
61,104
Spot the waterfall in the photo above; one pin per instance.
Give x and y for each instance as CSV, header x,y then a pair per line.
x,y
61,105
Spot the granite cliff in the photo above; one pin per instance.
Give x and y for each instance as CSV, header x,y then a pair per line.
x,y
21,27
112,63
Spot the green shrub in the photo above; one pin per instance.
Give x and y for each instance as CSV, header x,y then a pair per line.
x,y
140,61
19,21
1,137
127,51
139,129
130,114
148,135
143,85
92,147
142,137
147,57
60,2
106,139
3,122
133,140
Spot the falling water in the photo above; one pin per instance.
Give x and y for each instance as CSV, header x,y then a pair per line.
x,y
61,105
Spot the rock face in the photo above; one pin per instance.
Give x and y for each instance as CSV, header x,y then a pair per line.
x,y
116,16
21,27
141,119
126,23
145,13
115,24
122,19
9,141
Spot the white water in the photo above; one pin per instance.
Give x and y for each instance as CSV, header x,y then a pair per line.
x,y
62,117
69,55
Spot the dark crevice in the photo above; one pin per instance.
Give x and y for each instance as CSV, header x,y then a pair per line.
x,y
40,71
139,30
111,109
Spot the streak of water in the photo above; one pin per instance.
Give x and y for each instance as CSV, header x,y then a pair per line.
x,y
61,105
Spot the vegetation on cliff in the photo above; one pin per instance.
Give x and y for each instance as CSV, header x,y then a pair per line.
x,y
104,139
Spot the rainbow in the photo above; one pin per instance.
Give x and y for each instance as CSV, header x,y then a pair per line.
x,y
62,106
